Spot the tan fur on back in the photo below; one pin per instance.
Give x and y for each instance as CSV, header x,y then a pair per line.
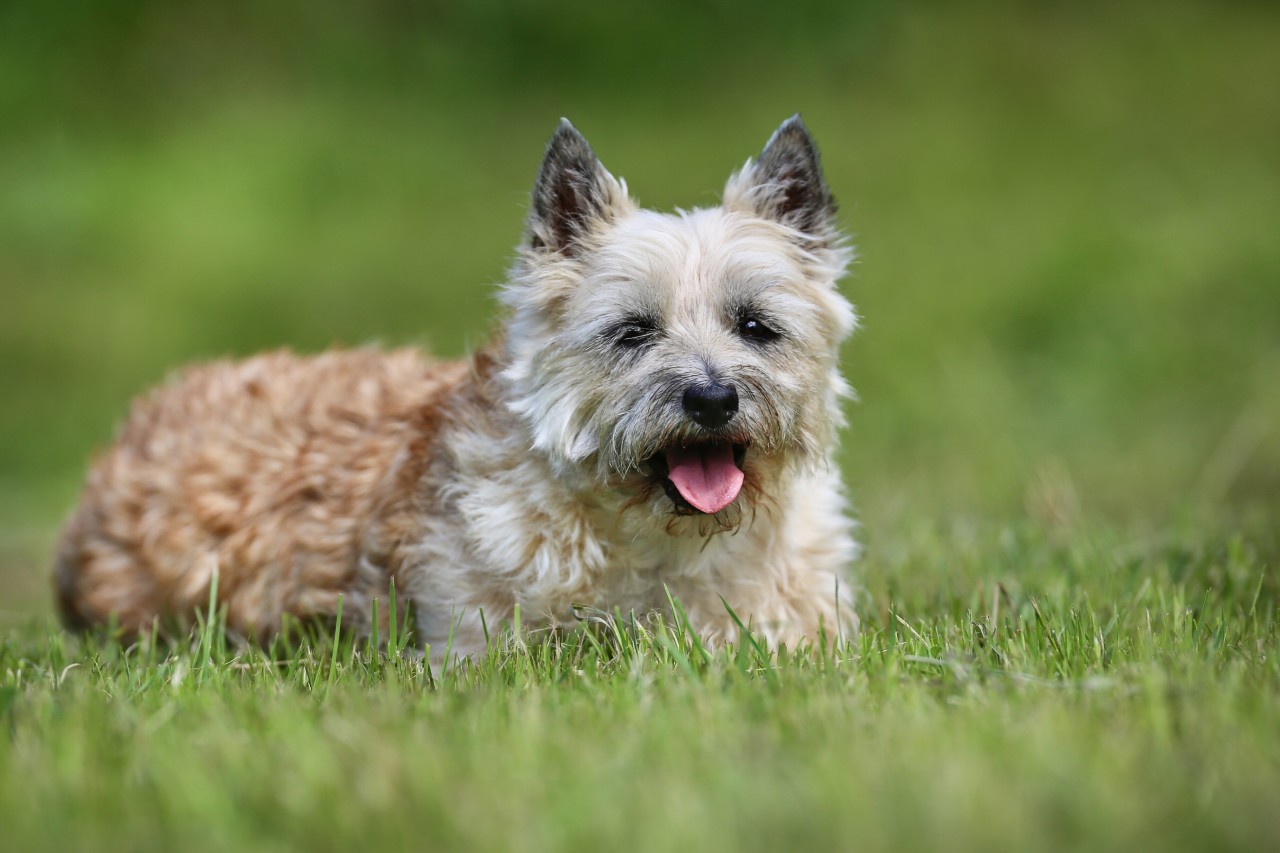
x,y
267,471
538,473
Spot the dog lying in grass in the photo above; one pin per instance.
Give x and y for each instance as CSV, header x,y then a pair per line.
x,y
654,420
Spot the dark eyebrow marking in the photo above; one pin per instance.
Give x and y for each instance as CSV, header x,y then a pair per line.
x,y
634,331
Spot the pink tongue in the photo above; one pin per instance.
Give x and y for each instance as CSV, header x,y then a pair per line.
x,y
705,475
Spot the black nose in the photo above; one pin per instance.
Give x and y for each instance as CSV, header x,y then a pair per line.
x,y
712,405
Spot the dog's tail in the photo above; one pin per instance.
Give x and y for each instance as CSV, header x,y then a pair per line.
x,y
67,564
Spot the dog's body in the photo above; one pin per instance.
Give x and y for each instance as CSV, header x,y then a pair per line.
x,y
657,417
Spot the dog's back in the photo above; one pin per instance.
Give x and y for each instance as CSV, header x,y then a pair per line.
x,y
263,470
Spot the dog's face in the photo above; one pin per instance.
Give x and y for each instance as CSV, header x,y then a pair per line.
x,y
688,360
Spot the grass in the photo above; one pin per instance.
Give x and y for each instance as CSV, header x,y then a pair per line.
x,y
1092,695
1065,458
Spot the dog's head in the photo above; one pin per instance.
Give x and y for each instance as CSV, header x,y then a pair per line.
x,y
689,360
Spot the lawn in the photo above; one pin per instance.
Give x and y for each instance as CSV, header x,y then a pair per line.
x,y
1102,694
1065,456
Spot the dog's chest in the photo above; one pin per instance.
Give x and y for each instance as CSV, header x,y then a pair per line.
x,y
641,572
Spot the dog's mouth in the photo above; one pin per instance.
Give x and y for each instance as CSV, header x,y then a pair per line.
x,y
701,477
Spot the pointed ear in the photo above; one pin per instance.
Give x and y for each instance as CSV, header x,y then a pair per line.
x,y
573,195
785,183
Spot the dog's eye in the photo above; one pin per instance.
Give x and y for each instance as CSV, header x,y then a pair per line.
x,y
754,329
634,333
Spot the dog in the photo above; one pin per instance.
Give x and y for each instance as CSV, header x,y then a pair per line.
x,y
655,421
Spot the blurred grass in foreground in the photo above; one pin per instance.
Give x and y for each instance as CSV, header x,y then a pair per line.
x,y
1067,219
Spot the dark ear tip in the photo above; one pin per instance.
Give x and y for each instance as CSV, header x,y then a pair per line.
x,y
793,129
568,144
566,131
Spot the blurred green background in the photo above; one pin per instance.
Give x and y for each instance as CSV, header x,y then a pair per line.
x,y
1067,217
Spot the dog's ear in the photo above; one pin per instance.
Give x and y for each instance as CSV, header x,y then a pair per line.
x,y
574,193
785,183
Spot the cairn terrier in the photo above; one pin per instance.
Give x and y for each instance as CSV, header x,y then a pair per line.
x,y
655,420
